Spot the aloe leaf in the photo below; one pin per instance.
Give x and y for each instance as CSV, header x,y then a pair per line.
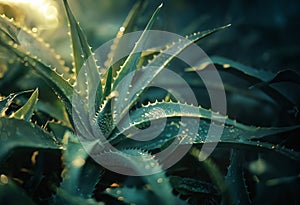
x,y
132,195
81,48
6,102
9,28
287,75
259,78
227,64
26,111
144,76
214,173
89,81
128,66
126,26
265,76
254,146
140,163
235,178
11,193
63,197
56,81
80,176
33,44
232,130
19,133
186,185
131,62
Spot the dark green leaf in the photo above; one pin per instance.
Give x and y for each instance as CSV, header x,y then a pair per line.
x,y
19,133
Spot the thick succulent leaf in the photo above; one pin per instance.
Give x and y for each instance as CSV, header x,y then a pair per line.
x,y
265,76
88,81
63,197
56,110
186,186
8,27
80,176
258,77
254,146
33,44
5,103
126,27
140,163
235,178
214,173
19,133
26,111
130,195
144,76
56,81
129,65
227,64
232,130
11,193
81,48
131,62
286,76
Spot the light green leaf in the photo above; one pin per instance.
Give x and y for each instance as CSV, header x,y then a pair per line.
x,y
5,103
26,111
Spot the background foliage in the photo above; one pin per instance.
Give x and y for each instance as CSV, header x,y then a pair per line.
x,y
41,158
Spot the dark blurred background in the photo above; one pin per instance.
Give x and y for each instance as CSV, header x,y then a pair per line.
x,y
264,34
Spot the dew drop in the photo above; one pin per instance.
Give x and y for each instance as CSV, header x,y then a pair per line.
x,y
159,180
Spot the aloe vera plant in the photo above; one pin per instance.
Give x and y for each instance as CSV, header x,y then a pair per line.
x,y
87,92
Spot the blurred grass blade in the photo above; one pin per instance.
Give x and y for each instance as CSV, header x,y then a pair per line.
x,y
235,179
26,111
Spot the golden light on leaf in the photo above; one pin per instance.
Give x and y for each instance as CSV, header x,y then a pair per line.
x,y
3,179
42,13
78,162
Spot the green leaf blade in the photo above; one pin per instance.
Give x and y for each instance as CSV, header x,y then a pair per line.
x,y
26,111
